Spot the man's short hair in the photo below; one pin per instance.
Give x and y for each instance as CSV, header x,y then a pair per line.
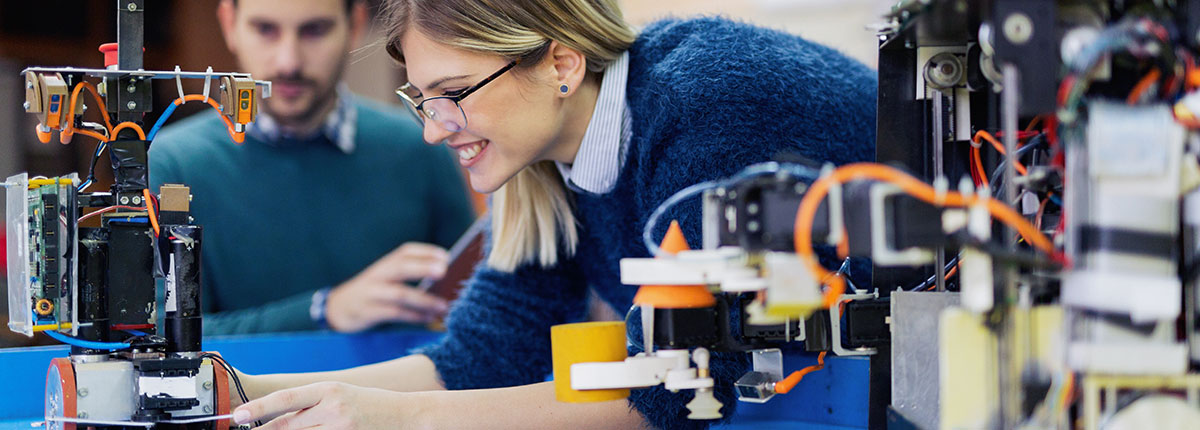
x,y
349,4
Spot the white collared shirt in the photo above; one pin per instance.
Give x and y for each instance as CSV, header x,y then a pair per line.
x,y
339,126
602,151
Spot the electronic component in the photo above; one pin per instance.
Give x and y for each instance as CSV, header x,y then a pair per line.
x,y
94,287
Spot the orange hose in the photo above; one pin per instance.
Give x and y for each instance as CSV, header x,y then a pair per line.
x,y
1142,86
999,148
979,166
152,214
67,129
1034,122
128,124
910,185
782,387
236,136
92,134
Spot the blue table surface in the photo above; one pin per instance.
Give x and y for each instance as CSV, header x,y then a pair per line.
x,y
834,398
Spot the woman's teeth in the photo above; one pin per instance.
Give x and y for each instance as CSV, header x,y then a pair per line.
x,y
470,151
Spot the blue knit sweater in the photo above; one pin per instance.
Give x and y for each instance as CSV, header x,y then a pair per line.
x,y
708,97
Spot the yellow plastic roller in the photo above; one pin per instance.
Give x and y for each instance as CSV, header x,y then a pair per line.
x,y
586,342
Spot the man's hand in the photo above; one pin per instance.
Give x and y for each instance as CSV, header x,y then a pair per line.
x,y
378,294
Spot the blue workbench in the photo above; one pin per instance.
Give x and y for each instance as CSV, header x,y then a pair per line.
x,y
834,398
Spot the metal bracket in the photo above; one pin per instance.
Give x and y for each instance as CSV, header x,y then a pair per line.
x,y
835,325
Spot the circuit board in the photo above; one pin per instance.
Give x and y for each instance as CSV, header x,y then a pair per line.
x,y
41,221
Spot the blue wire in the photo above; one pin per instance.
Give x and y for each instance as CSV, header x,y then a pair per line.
x,y
136,332
1056,200
85,343
162,119
753,170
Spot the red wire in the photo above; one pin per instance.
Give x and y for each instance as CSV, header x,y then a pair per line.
x,y
110,209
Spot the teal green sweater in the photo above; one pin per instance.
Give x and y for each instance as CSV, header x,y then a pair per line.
x,y
282,221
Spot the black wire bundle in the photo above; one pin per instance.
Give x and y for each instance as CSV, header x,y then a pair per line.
x,y
237,382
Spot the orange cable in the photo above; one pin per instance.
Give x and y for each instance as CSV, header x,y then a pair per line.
x,y
979,166
91,134
150,209
782,387
1034,122
128,124
914,187
1142,86
238,137
68,128
999,148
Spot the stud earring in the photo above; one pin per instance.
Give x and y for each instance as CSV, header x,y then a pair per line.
x,y
563,88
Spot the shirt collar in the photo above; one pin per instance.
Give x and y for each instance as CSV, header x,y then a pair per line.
x,y
338,129
598,162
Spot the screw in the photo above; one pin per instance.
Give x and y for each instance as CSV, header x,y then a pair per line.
x,y
207,385
752,208
137,200
124,200
26,105
131,105
81,414
83,392
207,409
29,85
132,7
191,219
752,226
800,188
131,88
1018,28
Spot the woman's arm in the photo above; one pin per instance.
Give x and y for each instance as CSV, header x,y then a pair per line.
x,y
348,406
410,373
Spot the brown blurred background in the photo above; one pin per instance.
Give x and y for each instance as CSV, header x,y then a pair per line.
x,y
185,33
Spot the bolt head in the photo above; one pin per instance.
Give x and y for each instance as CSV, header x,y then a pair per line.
x,y
208,385
132,6
137,200
83,392
1018,28
131,89
26,105
81,414
29,85
124,200
207,409
131,105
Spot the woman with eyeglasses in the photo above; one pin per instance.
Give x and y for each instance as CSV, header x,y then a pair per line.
x,y
578,126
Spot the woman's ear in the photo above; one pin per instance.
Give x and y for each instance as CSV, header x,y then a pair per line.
x,y
569,68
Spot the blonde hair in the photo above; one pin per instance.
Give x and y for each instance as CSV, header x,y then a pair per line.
x,y
531,213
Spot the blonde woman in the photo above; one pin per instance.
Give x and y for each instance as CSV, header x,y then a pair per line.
x,y
578,127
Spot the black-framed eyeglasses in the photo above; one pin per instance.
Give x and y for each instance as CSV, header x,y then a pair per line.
x,y
445,110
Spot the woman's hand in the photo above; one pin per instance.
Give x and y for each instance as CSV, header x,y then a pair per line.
x,y
331,405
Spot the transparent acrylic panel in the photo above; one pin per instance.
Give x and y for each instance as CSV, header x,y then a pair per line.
x,y
20,315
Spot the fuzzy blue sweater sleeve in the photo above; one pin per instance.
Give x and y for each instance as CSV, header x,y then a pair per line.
x,y
498,331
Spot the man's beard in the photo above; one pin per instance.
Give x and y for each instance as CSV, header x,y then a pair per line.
x,y
321,100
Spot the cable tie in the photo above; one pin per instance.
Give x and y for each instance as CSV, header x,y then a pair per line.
x,y
207,82
179,81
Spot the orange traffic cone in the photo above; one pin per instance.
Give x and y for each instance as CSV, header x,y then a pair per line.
x,y
674,296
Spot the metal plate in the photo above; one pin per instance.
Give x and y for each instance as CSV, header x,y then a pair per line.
x,y
915,354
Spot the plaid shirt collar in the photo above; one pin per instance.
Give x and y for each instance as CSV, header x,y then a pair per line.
x,y
339,127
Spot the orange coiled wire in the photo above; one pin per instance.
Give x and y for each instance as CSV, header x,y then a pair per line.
x,y
914,187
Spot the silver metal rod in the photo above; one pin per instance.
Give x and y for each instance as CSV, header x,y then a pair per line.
x,y
153,74
648,329
1009,366
939,166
